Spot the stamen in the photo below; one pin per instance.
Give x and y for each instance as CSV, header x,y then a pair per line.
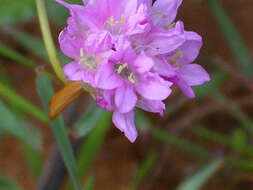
x,y
179,53
88,61
172,62
169,26
159,12
132,78
121,68
110,21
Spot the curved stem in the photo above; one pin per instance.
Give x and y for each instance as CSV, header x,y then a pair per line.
x,y
47,37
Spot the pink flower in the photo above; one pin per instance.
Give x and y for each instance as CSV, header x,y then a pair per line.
x,y
131,82
131,53
177,66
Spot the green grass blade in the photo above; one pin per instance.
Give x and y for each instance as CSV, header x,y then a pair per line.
x,y
231,141
19,128
89,185
21,103
144,170
200,178
236,44
93,143
46,91
15,11
7,184
88,120
236,111
33,159
8,52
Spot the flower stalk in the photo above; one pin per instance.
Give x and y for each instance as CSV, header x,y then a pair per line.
x,y
48,40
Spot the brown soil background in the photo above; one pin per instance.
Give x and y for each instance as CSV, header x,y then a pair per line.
x,y
118,158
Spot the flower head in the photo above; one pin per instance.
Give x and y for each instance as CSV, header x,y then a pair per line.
x,y
130,52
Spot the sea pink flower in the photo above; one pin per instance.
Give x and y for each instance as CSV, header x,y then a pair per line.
x,y
173,47
177,66
131,82
130,52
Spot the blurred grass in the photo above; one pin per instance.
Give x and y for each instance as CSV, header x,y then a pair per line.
x,y
7,184
45,90
233,38
94,130
144,170
196,181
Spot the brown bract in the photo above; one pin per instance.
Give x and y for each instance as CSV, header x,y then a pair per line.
x,y
64,97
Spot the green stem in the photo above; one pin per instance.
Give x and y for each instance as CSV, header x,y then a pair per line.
x,y
48,40
21,103
7,52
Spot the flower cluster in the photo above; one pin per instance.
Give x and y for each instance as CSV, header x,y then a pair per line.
x,y
131,52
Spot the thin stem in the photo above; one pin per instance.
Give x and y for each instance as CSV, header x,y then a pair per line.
x,y
21,103
48,40
7,52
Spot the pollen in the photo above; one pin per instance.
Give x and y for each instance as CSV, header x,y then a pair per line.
x,y
88,61
121,68
132,78
110,21
179,53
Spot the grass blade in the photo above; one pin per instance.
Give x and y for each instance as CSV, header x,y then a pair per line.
x,y
21,103
200,178
19,128
144,170
88,120
89,185
236,44
46,91
7,184
93,142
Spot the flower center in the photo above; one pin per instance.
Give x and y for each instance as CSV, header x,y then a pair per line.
x,y
88,61
115,26
125,72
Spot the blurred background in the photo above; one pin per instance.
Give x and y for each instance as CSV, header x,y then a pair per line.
x,y
204,143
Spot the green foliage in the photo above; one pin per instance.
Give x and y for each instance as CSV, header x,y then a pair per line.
x,y
88,120
235,42
16,10
144,170
46,91
7,184
92,144
11,96
201,177
19,128
89,185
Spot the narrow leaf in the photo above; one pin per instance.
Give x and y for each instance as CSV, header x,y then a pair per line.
x,y
88,120
19,128
144,170
93,142
7,184
46,91
236,44
200,178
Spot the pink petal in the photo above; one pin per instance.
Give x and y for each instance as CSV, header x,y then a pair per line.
x,y
143,63
190,48
186,88
106,78
154,106
125,123
73,72
125,98
70,45
153,89
165,41
194,74
165,11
